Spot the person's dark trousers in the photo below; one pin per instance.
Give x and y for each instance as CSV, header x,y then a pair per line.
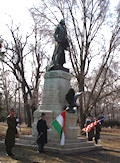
x,y
96,141
9,150
41,147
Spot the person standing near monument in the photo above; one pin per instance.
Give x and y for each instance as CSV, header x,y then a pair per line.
x,y
97,131
91,132
42,133
10,134
62,44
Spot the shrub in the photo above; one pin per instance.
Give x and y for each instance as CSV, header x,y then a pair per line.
x,y
111,123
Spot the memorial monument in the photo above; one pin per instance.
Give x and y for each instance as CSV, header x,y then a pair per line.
x,y
55,96
56,86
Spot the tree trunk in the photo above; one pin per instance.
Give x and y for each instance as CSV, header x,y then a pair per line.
x,y
81,89
26,106
81,114
28,115
25,115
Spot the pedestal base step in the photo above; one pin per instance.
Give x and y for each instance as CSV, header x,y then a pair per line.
x,y
71,146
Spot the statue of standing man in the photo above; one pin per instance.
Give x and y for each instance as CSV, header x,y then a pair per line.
x,y
62,44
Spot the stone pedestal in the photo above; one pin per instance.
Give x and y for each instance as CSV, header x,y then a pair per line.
x,y
71,126
56,86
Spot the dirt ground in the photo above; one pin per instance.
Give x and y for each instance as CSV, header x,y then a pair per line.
x,y
109,154
26,155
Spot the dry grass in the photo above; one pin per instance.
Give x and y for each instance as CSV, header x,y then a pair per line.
x,y
111,141
22,130
110,154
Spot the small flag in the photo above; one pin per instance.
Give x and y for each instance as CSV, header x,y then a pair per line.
x,y
59,125
91,125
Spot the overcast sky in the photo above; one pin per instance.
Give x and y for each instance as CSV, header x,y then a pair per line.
x,y
18,10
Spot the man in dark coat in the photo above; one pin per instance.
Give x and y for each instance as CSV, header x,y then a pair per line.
x,y
10,134
91,132
97,131
42,133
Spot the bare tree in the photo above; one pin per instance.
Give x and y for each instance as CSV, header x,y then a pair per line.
x,y
5,88
15,58
108,92
86,21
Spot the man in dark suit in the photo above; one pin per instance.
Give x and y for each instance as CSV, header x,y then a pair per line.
x,y
91,132
42,133
10,134
97,131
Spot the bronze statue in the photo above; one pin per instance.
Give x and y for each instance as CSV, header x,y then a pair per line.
x,y
62,44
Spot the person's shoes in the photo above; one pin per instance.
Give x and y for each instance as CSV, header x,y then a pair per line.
x,y
39,152
12,154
